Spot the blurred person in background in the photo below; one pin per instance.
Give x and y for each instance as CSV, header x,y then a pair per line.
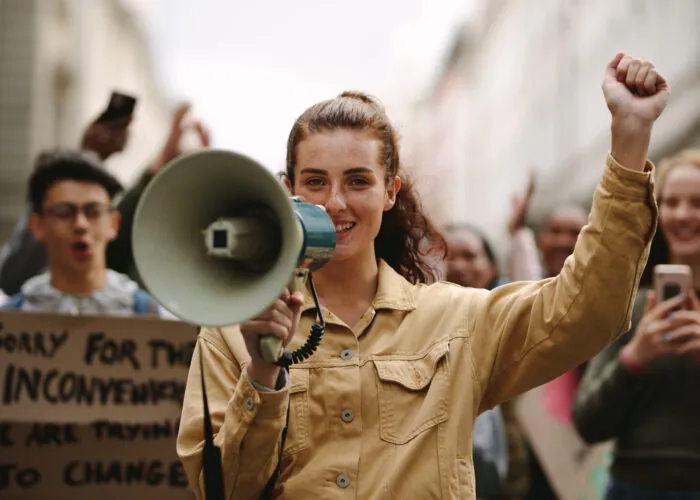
x,y
534,257
643,391
470,259
470,262
23,256
71,198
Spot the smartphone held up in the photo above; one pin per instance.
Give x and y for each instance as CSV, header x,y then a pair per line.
x,y
120,106
671,280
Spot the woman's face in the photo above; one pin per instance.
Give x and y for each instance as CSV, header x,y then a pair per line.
x,y
467,263
679,212
340,170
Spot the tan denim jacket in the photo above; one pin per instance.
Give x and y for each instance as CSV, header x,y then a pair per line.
x,y
386,409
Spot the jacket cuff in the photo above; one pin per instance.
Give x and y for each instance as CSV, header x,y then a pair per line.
x,y
629,183
279,385
250,402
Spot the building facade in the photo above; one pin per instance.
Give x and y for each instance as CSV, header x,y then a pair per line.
x,y
522,88
59,62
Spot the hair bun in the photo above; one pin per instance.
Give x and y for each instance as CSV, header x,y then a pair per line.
x,y
362,96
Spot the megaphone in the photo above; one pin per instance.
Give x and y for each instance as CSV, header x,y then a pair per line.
x,y
216,238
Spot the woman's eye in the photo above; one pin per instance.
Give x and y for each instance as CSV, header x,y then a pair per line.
x,y
359,182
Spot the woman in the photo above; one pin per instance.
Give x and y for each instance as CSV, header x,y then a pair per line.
x,y
470,258
643,390
386,406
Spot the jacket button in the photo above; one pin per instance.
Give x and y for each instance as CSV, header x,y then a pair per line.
x,y
347,416
346,355
342,480
250,403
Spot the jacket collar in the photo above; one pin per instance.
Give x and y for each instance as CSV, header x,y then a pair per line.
x,y
394,292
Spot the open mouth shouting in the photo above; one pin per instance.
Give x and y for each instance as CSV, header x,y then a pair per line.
x,y
81,250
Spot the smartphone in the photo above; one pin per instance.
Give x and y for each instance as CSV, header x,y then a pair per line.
x,y
671,280
120,106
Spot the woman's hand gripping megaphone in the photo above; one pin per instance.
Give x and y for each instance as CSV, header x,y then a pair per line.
x,y
280,321
266,335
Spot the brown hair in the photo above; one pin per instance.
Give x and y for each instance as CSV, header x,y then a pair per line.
x,y
685,157
406,235
660,252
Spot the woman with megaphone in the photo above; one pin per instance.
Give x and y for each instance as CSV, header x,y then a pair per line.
x,y
386,406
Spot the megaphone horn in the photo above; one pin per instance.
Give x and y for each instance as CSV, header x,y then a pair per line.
x,y
217,237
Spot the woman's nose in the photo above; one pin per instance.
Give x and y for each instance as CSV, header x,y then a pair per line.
x,y
336,202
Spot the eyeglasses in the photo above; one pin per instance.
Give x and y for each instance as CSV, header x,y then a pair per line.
x,y
69,211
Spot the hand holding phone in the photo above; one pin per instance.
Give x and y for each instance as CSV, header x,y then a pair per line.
x,y
685,338
654,337
108,133
120,106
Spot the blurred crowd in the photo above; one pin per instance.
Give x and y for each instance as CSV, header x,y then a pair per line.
x,y
71,253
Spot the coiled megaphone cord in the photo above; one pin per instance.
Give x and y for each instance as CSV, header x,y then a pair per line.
x,y
286,360
312,342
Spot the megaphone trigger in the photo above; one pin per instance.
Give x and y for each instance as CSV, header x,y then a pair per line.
x,y
270,348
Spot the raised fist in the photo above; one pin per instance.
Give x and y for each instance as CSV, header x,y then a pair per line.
x,y
634,90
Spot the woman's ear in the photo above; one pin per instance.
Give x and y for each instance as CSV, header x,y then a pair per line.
x,y
288,185
392,191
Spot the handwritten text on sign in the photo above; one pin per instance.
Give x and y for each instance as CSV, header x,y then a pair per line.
x,y
99,460
81,369
90,406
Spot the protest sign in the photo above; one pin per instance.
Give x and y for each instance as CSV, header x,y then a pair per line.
x,y
78,369
576,470
90,406
101,460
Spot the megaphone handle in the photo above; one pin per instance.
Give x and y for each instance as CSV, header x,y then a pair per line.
x,y
269,345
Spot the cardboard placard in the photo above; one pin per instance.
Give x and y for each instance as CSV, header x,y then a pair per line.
x,y
90,406
78,369
101,460
576,470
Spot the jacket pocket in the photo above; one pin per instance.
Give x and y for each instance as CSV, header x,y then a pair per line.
x,y
298,428
413,393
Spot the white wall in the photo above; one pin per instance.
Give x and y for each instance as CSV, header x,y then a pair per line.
x,y
114,54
